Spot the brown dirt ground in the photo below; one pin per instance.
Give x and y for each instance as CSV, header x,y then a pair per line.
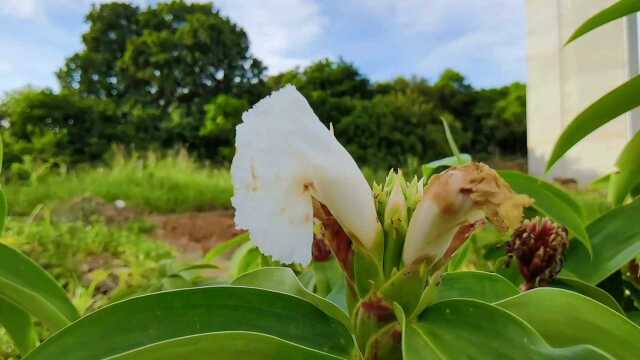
x,y
194,233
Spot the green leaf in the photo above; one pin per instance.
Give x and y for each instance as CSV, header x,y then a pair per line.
x,y
616,11
226,246
617,102
478,285
471,329
232,345
1,153
18,325
330,282
413,345
451,141
588,290
615,238
3,210
430,168
151,320
564,318
628,174
635,317
26,284
246,258
282,279
196,267
552,202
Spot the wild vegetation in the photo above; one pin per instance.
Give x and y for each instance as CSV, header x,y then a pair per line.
x,y
441,257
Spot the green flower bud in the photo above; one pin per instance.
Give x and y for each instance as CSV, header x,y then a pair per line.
x,y
395,211
395,223
414,192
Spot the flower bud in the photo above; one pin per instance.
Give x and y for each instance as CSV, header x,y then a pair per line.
x,y
414,193
395,223
395,212
539,245
457,197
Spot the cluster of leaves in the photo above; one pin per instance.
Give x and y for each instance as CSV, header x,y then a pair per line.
x,y
93,262
177,74
271,311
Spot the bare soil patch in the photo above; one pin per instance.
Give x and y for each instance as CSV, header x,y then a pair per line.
x,y
194,233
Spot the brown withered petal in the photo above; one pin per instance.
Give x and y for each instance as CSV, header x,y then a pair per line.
x,y
494,196
460,195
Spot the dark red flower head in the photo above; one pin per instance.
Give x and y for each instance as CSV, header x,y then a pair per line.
x,y
539,245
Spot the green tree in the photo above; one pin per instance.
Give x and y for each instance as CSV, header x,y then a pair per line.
x,y
169,60
384,131
45,127
330,86
93,70
499,123
222,115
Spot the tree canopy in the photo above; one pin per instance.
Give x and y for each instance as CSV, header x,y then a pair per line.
x,y
181,74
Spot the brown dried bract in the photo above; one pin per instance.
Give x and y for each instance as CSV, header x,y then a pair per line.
x,y
335,237
486,189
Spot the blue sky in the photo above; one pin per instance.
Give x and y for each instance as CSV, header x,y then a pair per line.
x,y
483,39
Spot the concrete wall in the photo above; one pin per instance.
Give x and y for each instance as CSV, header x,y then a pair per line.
x,y
563,81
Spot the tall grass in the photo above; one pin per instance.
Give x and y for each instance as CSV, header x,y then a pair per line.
x,y
170,183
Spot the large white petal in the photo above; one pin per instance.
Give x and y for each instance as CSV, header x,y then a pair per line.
x,y
284,156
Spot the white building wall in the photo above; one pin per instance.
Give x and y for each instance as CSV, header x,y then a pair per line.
x,y
563,81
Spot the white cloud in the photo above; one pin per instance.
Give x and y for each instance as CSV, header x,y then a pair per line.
x,y
279,30
22,9
463,34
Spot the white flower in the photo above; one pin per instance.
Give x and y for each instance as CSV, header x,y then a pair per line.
x,y
284,158
456,198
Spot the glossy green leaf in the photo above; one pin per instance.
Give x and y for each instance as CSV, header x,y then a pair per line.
x,y
26,284
588,290
471,329
150,320
477,285
552,202
615,103
226,247
616,11
628,174
18,325
430,168
283,280
564,318
615,239
232,345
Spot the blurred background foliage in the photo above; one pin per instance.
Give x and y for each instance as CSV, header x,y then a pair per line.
x,y
177,75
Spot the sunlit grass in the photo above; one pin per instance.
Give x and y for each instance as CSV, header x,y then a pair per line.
x,y
171,183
